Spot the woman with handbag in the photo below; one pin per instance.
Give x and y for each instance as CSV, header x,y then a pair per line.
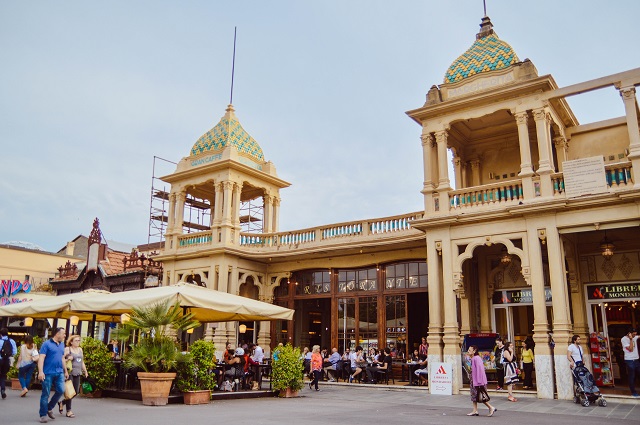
x,y
74,358
510,369
27,363
478,383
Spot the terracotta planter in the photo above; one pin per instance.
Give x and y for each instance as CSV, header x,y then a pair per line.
x,y
289,393
155,387
93,394
15,384
197,397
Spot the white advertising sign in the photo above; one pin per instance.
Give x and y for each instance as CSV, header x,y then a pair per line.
x,y
584,176
441,379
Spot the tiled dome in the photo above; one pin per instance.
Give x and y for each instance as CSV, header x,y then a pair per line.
x,y
228,132
488,53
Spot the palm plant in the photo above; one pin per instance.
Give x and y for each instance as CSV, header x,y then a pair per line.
x,y
157,350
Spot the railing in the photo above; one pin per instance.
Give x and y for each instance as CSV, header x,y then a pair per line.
x,y
195,239
360,229
508,192
618,175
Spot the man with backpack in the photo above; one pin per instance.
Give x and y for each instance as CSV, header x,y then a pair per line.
x,y
8,349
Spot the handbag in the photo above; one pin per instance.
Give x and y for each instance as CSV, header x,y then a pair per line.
x,y
69,391
483,396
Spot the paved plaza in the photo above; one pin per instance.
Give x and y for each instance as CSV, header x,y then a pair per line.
x,y
333,404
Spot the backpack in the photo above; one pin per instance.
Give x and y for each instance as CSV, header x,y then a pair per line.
x,y
7,351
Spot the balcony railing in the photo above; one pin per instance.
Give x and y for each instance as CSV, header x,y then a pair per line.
x,y
192,240
388,226
504,193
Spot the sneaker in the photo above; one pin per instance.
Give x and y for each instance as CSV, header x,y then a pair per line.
x,y
43,419
498,388
635,395
332,380
4,395
50,414
24,392
350,379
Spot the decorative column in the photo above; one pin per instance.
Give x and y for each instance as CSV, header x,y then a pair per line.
x,y
227,188
181,197
217,207
457,168
578,302
451,331
543,120
267,207
428,157
484,296
562,145
276,214
526,170
444,185
475,172
628,95
562,329
543,360
237,190
434,274
171,219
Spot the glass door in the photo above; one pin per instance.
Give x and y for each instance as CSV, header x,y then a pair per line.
x,y
502,323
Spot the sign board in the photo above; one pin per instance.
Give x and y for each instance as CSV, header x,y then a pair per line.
x,y
441,379
519,296
613,291
584,176
14,291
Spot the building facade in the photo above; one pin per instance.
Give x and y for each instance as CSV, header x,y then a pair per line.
x,y
538,237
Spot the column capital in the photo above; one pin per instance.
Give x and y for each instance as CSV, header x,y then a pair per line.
x,y
227,185
276,201
172,197
522,118
428,140
441,136
627,93
561,142
475,163
541,114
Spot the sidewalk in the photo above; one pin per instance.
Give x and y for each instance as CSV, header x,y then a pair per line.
x,y
334,403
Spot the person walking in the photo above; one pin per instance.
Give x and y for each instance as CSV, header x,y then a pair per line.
x,y
527,364
27,363
7,351
631,359
316,367
52,371
510,366
478,383
74,353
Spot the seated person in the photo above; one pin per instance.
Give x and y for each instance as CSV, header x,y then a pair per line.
x,y
357,363
384,366
228,352
330,364
236,371
347,354
423,372
415,357
248,371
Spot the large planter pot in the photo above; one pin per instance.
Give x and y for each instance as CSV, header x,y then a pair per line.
x,y
155,387
15,384
197,397
289,393
93,394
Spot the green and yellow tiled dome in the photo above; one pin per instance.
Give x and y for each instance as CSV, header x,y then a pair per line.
x,y
488,53
228,132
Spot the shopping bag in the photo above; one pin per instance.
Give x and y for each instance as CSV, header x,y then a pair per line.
x,y
483,396
69,391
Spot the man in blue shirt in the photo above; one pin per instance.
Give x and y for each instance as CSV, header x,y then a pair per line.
x,y
52,371
5,362
330,364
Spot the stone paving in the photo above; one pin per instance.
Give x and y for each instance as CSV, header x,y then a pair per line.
x,y
333,404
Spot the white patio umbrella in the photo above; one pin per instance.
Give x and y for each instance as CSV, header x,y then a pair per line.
x,y
55,307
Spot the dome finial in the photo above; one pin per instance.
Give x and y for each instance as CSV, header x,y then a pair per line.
x,y
486,28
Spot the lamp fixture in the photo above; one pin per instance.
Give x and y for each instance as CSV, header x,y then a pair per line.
x,y
74,320
242,328
505,258
124,318
607,247
28,321
190,331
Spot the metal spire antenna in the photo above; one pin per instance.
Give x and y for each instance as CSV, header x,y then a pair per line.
x,y
484,3
233,63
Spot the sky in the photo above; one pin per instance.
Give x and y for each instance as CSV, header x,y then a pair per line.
x,y
91,91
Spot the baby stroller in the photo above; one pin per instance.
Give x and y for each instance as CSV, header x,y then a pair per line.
x,y
585,390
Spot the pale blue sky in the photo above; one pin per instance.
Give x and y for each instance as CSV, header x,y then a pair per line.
x,y
91,91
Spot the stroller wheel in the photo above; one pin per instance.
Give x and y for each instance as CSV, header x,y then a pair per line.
x,y
576,399
585,402
602,402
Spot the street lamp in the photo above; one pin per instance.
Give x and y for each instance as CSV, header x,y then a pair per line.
x,y
74,320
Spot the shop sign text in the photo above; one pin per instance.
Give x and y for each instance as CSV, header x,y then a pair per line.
x,y
519,296
613,291
9,290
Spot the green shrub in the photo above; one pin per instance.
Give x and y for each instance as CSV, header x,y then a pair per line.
x,y
288,369
195,369
98,361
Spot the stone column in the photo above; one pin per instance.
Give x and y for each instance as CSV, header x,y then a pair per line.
x,y
267,207
444,185
171,219
578,302
276,215
217,207
562,145
181,197
543,360
562,329
485,296
475,172
457,168
227,188
237,190
526,170
628,95
434,274
428,186
543,120
451,331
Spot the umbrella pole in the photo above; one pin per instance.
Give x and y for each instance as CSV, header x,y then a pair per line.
x,y
93,326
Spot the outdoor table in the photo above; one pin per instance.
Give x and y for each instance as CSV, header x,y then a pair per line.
x,y
259,370
409,368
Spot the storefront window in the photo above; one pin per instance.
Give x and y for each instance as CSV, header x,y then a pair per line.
x,y
396,329
312,282
346,323
406,275
358,280
368,322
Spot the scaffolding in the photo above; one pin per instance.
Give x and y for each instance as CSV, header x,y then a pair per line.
x,y
251,216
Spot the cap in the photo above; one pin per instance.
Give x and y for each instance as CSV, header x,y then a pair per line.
x,y
239,352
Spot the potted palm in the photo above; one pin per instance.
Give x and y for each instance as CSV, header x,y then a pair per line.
x,y
156,353
195,377
287,371
100,368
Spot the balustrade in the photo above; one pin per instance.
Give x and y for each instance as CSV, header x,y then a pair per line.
x,y
195,239
495,193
